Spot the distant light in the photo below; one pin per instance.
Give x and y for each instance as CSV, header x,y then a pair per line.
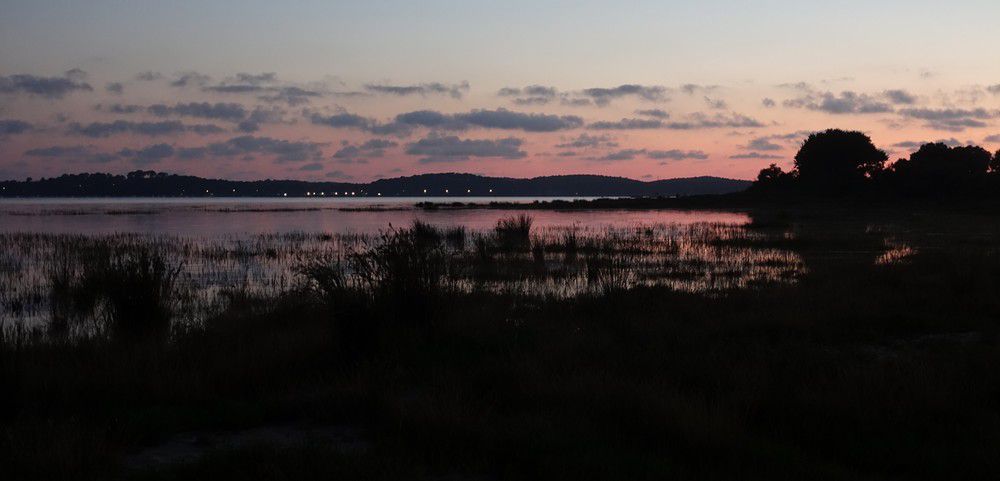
x,y
322,193
379,194
234,190
491,191
352,193
285,194
425,190
446,191
468,191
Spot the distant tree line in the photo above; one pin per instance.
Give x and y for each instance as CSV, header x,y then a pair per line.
x,y
145,183
148,183
838,162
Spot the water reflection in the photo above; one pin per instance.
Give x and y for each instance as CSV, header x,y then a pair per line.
x,y
237,217
260,248
699,257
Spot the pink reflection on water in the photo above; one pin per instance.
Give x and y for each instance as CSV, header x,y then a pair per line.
x,y
206,218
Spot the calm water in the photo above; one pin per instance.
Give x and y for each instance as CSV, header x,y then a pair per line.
x,y
210,218
260,245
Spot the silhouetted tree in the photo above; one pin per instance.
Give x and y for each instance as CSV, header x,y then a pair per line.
x,y
939,168
773,178
838,160
995,163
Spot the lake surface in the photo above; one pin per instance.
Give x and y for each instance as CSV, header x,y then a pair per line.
x,y
229,217
260,246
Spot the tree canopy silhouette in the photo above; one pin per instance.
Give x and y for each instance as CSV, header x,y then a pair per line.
x,y
937,167
837,160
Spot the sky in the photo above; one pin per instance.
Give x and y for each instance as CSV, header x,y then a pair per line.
x,y
358,90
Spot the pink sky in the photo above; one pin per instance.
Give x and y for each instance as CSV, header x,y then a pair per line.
x,y
654,91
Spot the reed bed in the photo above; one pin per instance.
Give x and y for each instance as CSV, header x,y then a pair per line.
x,y
38,271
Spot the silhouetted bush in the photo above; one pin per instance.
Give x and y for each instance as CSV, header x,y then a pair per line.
x,y
138,287
514,233
571,246
455,236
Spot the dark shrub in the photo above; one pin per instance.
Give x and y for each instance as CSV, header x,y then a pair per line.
x,y
571,246
455,237
514,233
138,287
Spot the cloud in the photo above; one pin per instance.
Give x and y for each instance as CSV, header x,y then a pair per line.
x,y
700,120
71,153
586,141
692,89
995,138
994,89
429,118
675,154
264,86
255,79
501,119
342,120
953,120
217,111
912,144
59,151
148,76
947,114
768,102
900,97
191,78
691,122
604,96
846,103
260,115
455,91
796,86
13,127
248,145
312,167
152,129
530,95
627,124
755,156
508,120
115,88
655,113
290,95
574,102
361,153
630,154
48,87
121,108
763,143
453,149
339,174
716,104
148,155
624,154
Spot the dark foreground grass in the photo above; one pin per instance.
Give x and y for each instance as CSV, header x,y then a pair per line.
x,y
867,368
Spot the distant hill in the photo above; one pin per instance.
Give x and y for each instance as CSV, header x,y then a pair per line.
x,y
158,184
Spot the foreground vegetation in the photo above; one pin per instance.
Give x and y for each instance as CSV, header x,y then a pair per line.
x,y
871,353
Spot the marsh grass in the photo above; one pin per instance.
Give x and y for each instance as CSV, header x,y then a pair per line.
x,y
701,352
